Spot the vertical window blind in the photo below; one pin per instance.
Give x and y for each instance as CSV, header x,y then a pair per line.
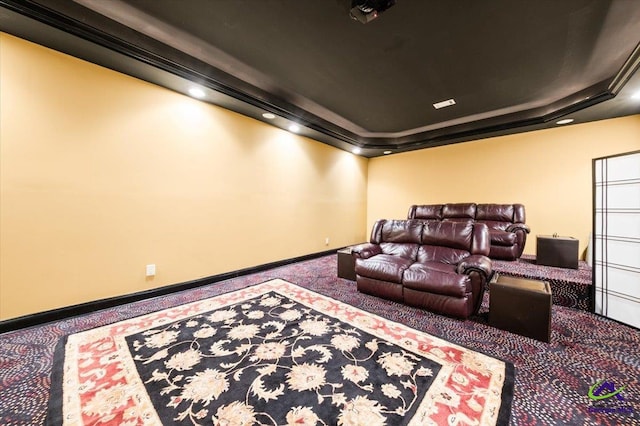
x,y
616,237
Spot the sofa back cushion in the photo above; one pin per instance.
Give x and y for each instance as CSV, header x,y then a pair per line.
x,y
398,237
450,242
454,235
481,242
398,231
460,212
426,212
499,216
497,212
447,242
518,214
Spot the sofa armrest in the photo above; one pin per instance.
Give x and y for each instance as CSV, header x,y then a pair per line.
x,y
518,227
475,263
366,250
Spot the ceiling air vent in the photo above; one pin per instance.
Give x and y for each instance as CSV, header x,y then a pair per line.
x,y
443,104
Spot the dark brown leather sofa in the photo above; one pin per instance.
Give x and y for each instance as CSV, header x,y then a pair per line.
x,y
438,266
506,223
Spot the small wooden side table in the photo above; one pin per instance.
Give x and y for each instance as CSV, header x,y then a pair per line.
x,y
561,252
521,306
346,264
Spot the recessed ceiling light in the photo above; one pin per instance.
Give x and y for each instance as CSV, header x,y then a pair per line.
x,y
636,95
197,92
387,152
443,104
356,150
269,116
294,128
565,121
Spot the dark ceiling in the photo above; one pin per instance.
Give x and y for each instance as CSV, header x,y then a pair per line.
x,y
510,65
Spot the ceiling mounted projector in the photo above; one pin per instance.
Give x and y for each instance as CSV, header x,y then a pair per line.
x,y
367,10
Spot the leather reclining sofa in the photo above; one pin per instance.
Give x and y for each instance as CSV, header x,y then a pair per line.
x,y
506,223
438,266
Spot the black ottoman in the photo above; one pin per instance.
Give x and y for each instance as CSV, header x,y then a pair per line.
x,y
346,264
521,306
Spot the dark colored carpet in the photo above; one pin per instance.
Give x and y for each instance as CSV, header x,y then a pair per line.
x,y
552,380
569,287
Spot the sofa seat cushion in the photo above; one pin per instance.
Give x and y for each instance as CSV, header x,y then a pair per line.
x,y
435,266
437,278
383,267
405,250
502,238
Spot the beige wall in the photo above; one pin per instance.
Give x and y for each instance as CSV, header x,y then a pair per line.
x,y
101,174
549,171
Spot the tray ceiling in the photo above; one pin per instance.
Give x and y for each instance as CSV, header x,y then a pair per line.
x,y
510,66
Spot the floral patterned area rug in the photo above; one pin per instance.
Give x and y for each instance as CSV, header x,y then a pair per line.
x,y
272,354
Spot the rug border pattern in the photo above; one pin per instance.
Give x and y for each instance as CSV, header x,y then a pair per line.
x,y
495,410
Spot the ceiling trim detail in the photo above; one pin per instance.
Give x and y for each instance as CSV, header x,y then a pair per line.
x,y
151,52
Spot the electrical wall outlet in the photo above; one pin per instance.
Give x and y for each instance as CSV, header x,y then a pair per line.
x,y
326,241
151,270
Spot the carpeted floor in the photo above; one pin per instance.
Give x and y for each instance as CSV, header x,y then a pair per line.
x,y
552,380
